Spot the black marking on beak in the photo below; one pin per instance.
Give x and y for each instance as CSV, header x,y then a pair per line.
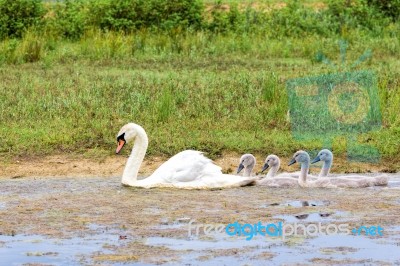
x,y
293,161
265,167
121,137
121,142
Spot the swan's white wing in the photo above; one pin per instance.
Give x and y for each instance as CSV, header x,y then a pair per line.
x,y
186,166
192,170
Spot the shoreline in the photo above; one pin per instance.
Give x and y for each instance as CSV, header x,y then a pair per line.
x,y
71,165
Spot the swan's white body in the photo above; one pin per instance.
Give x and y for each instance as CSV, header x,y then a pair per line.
x,y
326,157
188,169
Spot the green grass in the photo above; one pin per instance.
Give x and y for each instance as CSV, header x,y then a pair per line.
x,y
259,1
267,2
204,91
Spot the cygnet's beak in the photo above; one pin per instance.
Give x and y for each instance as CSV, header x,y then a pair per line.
x,y
240,168
265,167
316,159
293,161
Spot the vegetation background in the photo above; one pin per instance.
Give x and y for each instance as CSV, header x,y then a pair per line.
x,y
207,75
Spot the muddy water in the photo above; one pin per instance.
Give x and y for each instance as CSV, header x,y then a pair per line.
x,y
345,248
86,221
21,249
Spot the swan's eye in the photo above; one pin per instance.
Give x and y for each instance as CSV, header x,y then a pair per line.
x,y
121,137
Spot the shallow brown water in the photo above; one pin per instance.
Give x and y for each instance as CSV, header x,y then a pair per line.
x,y
86,221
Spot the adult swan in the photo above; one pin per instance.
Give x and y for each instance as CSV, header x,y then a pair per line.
x,y
188,169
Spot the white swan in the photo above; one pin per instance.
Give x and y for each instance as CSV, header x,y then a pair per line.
x,y
326,156
303,158
188,169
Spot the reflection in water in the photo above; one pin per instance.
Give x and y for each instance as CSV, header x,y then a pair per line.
x,y
305,216
306,203
325,214
301,216
299,203
316,217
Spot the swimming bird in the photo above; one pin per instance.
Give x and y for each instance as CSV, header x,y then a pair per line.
x,y
273,163
272,179
303,158
326,156
246,162
188,169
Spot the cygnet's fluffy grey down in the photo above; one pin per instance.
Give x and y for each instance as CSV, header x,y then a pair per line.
x,y
303,158
326,156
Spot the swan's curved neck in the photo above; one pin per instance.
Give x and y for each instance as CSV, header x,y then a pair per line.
x,y
326,168
248,171
273,171
304,171
136,158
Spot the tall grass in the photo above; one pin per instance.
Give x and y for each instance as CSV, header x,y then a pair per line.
x,y
219,92
202,89
97,45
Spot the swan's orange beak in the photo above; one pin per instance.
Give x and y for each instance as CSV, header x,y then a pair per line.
x,y
121,144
